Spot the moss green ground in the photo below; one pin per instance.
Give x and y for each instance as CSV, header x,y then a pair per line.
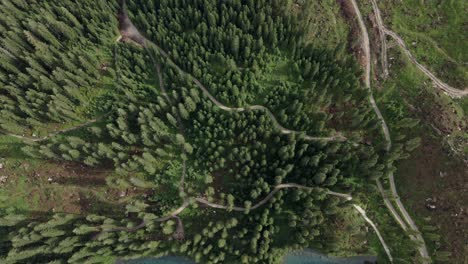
x,y
433,170
331,28
435,32
73,188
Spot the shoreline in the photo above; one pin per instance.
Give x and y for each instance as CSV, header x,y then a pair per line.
x,y
311,253
290,257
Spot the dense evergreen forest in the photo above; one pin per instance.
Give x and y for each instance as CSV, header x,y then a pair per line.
x,y
60,65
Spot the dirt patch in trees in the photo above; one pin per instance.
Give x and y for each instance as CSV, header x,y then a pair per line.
x,y
49,187
443,116
435,187
354,36
78,174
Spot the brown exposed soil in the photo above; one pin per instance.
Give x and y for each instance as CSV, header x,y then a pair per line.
x,y
435,187
442,116
355,32
222,178
78,174
67,187
128,31
376,49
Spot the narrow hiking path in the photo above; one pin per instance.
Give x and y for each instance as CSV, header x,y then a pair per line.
x,y
418,238
55,133
180,127
130,31
202,201
58,132
270,114
390,206
268,197
384,31
452,92
367,72
84,190
277,188
383,40
382,241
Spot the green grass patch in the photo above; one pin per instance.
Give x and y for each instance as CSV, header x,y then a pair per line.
x,y
434,31
330,28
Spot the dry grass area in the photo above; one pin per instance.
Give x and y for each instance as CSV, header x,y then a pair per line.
x,y
38,186
435,187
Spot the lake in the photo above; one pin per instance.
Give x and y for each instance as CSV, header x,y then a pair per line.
x,y
302,257
312,257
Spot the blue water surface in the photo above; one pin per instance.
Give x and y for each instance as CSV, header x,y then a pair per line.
x,y
302,257
161,260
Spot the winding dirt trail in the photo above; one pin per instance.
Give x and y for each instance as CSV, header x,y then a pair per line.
x,y
202,201
451,91
368,220
390,206
365,44
129,31
297,186
179,124
418,238
293,185
268,197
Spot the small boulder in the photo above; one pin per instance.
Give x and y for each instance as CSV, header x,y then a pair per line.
x,y
431,204
3,179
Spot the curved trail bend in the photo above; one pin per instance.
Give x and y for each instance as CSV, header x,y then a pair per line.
x,y
55,133
451,91
269,196
202,201
367,73
180,127
129,31
418,238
